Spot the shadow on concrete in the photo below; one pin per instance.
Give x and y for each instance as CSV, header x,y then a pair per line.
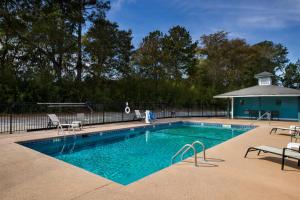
x,y
212,159
201,163
288,163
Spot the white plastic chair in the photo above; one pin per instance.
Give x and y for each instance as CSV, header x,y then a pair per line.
x,y
55,121
138,115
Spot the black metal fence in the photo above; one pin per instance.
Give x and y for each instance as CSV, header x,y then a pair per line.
x,y
33,116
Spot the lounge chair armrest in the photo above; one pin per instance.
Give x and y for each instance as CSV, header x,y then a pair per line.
x,y
60,126
284,149
296,128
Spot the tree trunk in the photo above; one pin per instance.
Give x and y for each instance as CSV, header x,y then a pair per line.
x,y
58,68
79,45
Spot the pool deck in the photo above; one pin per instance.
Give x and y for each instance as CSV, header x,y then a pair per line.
x,y
27,174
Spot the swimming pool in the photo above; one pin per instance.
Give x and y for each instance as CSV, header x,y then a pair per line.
x,y
127,155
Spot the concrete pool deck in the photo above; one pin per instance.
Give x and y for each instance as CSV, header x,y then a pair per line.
x,y
27,174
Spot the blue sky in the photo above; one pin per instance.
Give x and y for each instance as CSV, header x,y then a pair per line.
x,y
253,20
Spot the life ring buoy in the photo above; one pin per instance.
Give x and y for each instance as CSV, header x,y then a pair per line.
x,y
127,110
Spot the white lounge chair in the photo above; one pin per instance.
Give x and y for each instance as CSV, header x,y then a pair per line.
x,y
55,122
283,152
138,115
292,129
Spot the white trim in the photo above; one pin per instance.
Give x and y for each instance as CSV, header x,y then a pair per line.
x,y
271,95
232,105
277,119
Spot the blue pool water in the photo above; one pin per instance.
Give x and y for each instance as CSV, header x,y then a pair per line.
x,y
128,155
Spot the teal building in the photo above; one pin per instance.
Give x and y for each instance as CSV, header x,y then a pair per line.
x,y
265,100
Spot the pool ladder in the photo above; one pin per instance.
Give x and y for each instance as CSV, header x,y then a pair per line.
x,y
186,148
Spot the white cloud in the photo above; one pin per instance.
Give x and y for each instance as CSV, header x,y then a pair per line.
x,y
116,6
267,14
261,22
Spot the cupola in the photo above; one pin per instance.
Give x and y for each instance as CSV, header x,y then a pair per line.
x,y
264,78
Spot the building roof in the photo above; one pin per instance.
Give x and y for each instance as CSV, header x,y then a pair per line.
x,y
263,74
261,91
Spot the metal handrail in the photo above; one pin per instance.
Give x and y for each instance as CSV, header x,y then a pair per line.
x,y
193,144
259,118
182,148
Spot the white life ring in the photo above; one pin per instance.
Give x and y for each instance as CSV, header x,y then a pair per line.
x,y
127,110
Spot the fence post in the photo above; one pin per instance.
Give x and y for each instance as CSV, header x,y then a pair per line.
x,y
103,114
10,119
10,123
215,110
122,114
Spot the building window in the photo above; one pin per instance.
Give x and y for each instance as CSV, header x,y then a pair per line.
x,y
278,102
242,102
265,81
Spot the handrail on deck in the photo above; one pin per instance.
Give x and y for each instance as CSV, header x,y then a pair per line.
x,y
268,114
186,146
